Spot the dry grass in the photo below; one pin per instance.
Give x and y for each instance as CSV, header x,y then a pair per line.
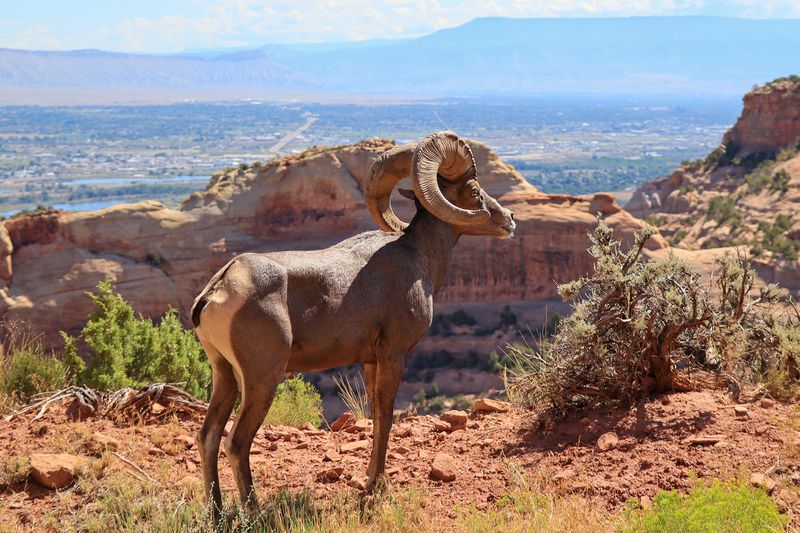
x,y
353,394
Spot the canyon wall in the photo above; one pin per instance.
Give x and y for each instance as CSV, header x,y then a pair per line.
x,y
160,257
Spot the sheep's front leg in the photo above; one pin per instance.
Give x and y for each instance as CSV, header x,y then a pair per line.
x,y
388,374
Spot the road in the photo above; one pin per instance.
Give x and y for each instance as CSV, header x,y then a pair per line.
x,y
289,137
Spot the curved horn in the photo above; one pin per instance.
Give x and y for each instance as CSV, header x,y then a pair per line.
x,y
444,154
390,167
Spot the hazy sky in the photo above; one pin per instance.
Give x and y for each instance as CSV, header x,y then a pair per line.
x,y
174,25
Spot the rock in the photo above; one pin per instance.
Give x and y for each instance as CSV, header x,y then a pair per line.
x,y
740,411
604,203
78,410
348,447
332,455
228,428
55,471
156,408
331,474
184,440
402,450
645,502
455,418
705,440
443,468
346,420
308,426
286,204
763,481
767,403
441,425
100,442
359,426
301,446
403,432
487,405
156,451
358,483
607,441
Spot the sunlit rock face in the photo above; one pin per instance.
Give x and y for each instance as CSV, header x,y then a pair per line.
x,y
159,257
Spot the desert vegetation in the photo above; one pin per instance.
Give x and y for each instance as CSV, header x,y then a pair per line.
x,y
640,326
637,327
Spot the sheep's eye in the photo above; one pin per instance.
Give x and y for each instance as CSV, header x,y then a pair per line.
x,y
475,193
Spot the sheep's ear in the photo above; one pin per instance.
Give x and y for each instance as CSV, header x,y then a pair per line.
x,y
407,193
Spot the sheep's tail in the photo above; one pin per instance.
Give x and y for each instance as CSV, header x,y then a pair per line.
x,y
202,298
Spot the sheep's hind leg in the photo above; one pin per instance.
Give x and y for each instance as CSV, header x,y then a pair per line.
x,y
257,395
388,375
223,396
369,384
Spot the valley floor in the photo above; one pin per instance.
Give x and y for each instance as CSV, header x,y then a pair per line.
x,y
655,447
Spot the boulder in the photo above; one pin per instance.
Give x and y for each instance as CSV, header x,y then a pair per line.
x,y
443,467
55,471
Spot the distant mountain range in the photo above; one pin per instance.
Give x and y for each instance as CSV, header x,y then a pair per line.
x,y
699,56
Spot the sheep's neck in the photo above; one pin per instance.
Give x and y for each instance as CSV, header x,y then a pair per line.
x,y
432,241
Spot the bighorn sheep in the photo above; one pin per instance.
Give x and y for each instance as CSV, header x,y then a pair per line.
x,y
366,300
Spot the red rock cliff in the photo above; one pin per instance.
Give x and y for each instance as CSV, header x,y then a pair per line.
x,y
770,118
161,257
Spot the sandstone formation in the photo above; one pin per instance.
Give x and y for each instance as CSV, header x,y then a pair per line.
x,y
770,118
160,257
745,193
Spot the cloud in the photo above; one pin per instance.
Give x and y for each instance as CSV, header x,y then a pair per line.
x,y
239,23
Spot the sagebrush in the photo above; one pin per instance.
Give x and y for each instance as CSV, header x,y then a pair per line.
x,y
647,326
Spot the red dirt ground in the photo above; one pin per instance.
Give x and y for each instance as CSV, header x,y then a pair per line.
x,y
654,452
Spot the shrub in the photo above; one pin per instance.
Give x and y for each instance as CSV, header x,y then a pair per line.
x,y
507,317
27,372
723,210
25,368
640,326
780,181
132,351
678,237
774,238
296,402
721,506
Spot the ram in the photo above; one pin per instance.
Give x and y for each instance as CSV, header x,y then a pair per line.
x,y
366,300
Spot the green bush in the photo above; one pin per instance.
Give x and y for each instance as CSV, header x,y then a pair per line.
x,y
721,506
723,209
296,402
25,368
780,181
25,372
132,351
678,237
774,238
